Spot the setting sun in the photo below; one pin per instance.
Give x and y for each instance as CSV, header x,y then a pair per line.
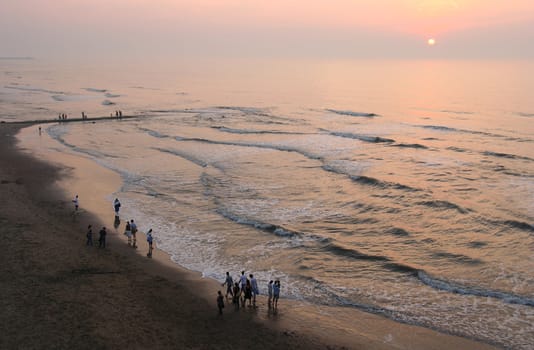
x,y
431,42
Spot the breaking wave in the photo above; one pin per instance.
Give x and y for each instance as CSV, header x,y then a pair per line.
x,y
243,131
455,112
95,90
351,253
370,181
524,226
34,89
505,155
365,138
476,291
438,204
266,227
183,155
473,132
410,145
398,231
246,110
351,113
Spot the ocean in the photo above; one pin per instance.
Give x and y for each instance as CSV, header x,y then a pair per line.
x,y
400,188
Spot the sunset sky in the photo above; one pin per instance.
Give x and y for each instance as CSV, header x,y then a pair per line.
x,y
273,28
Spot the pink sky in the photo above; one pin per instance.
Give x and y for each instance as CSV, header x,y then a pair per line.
x,y
29,27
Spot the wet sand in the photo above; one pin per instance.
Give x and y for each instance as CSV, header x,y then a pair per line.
x,y
58,293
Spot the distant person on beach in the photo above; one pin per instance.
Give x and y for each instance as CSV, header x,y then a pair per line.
x,y
237,295
133,227
39,130
270,292
102,238
220,302
128,232
89,236
117,206
76,202
242,280
247,294
254,286
276,293
117,221
120,114
149,239
229,284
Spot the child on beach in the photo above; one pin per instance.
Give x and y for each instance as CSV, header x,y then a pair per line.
x,y
220,302
149,240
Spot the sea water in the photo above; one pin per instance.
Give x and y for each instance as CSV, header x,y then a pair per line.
x,y
403,189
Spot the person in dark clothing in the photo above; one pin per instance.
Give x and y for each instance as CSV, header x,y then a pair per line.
x,y
102,238
220,302
89,236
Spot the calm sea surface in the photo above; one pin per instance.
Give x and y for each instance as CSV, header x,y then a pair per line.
x,y
404,189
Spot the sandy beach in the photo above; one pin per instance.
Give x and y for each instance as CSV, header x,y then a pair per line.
x,y
58,293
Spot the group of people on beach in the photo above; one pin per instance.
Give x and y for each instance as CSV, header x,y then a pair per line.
x,y
101,239
244,289
118,114
130,230
64,116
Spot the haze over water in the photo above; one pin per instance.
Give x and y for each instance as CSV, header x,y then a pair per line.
x,y
403,188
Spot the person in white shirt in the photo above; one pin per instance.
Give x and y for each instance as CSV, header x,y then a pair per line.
x,y
76,202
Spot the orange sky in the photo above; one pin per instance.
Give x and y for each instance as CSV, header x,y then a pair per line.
x,y
28,23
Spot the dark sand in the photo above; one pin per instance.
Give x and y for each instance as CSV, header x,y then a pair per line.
x,y
57,293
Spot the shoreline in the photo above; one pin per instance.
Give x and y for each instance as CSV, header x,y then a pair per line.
x,y
294,323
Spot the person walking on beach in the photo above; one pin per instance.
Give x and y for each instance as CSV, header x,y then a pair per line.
x,y
220,302
89,236
242,280
242,283
128,232
117,206
247,294
270,292
39,131
229,284
149,240
276,293
237,295
102,238
76,202
133,227
254,286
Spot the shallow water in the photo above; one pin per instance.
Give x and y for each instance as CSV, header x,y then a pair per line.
x,y
400,188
